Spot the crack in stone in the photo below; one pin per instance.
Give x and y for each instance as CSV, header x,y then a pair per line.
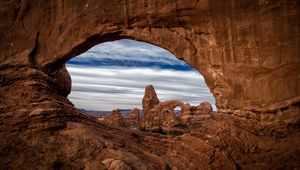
x,y
33,52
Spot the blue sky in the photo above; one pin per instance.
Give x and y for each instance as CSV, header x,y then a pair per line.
x,y
114,74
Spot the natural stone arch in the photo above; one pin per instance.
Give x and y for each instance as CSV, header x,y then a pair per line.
x,y
212,36
252,62
162,114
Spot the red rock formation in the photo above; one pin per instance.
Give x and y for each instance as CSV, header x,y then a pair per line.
x,y
204,108
135,115
239,47
247,51
194,115
115,118
162,117
133,121
162,114
149,100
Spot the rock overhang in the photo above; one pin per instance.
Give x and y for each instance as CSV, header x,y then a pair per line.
x,y
247,53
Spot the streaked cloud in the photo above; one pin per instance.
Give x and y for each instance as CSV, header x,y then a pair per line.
x,y
100,86
129,53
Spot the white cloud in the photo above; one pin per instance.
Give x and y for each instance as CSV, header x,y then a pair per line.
x,y
128,50
114,74
109,88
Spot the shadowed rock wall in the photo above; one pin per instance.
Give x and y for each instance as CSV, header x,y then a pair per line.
x,y
247,50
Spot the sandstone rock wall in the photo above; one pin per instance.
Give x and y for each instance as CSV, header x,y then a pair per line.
x,y
248,51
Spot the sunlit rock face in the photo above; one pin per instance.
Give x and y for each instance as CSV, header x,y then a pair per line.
x,y
247,51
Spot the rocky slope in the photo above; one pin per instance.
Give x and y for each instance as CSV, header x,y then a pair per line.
x,y
247,51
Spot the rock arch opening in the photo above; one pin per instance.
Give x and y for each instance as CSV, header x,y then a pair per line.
x,y
114,74
178,110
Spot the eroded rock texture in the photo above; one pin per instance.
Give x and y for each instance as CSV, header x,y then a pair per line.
x,y
134,115
163,118
247,50
150,99
115,118
162,114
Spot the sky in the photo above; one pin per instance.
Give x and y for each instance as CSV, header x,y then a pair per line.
x,y
114,74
